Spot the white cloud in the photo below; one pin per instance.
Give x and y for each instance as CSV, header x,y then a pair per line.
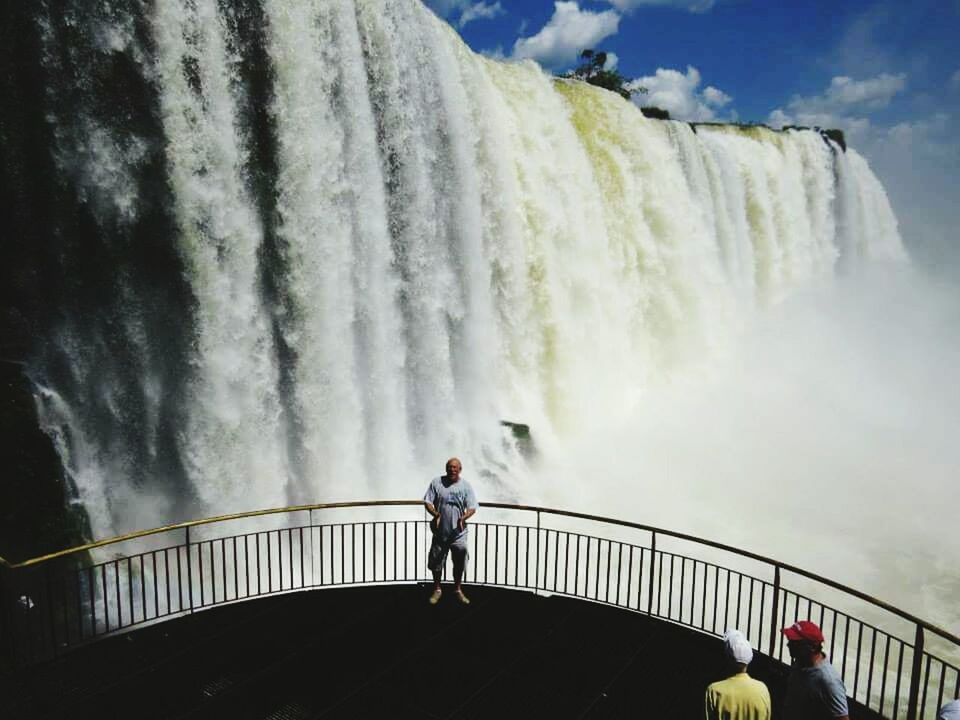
x,y
845,95
569,31
481,11
611,62
696,6
678,93
714,97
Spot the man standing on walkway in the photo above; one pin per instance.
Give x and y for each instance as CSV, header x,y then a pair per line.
x,y
814,688
451,502
739,697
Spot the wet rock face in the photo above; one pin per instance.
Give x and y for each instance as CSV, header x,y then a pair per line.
x,y
35,513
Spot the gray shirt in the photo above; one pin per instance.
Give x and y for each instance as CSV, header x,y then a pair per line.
x,y
451,500
814,693
950,711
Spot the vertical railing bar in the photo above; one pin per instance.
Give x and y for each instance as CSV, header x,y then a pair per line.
x,y
943,679
763,606
915,674
269,535
516,557
576,569
846,643
726,601
246,562
833,635
343,551
290,555
93,604
105,596
750,607
736,622
79,574
303,571
856,670
886,667
716,597
395,537
609,563
536,576
620,570
200,544
683,573
926,684
486,553
166,577
236,570
873,652
896,692
189,569
693,592
629,574
133,613
116,584
703,598
596,584
653,560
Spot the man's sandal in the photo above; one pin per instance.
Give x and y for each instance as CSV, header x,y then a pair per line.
x,y
462,598
435,598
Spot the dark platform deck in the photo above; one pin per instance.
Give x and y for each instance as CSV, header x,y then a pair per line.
x,y
384,652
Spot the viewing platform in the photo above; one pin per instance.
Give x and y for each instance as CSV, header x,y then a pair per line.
x,y
321,612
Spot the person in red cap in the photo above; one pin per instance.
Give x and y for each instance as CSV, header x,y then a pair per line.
x,y
814,688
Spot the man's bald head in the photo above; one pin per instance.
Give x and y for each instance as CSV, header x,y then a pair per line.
x,y
454,466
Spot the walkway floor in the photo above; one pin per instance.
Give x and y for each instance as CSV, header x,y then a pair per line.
x,y
384,652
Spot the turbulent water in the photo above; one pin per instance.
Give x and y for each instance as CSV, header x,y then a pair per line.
x,y
316,247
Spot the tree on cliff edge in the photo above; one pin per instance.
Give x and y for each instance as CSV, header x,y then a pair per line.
x,y
592,70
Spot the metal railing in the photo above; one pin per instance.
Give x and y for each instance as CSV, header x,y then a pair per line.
x,y
891,662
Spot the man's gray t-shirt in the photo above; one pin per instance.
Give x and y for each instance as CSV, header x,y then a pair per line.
x,y
814,693
451,500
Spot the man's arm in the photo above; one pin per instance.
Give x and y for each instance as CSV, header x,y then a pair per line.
x,y
431,509
466,516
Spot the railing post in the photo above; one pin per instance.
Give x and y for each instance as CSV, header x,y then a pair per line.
x,y
653,562
190,570
774,610
915,674
310,528
536,566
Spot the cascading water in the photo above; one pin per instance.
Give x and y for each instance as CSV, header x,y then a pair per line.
x,y
310,249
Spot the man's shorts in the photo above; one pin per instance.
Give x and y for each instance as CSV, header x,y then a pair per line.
x,y
438,553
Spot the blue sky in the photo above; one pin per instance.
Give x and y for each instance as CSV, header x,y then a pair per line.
x,y
887,72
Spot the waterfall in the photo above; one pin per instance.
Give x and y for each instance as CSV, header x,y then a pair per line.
x,y
311,248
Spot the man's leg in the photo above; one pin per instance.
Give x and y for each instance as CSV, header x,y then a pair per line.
x,y
459,564
435,560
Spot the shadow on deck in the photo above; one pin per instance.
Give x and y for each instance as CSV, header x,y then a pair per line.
x,y
384,652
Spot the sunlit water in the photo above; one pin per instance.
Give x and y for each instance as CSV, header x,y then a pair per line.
x,y
713,329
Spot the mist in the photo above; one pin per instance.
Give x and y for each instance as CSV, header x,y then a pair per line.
x,y
825,437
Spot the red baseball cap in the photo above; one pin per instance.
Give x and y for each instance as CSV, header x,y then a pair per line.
x,y
804,630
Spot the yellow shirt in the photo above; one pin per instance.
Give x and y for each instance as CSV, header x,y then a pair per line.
x,y
739,697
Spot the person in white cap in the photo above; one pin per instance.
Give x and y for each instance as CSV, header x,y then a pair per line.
x,y
739,697
950,711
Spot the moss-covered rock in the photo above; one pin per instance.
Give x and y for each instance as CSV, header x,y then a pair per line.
x,y
36,516
521,433
655,113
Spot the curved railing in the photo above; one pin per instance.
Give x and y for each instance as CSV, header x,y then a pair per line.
x,y
891,661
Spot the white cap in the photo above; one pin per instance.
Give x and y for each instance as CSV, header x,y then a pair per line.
x,y
737,647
